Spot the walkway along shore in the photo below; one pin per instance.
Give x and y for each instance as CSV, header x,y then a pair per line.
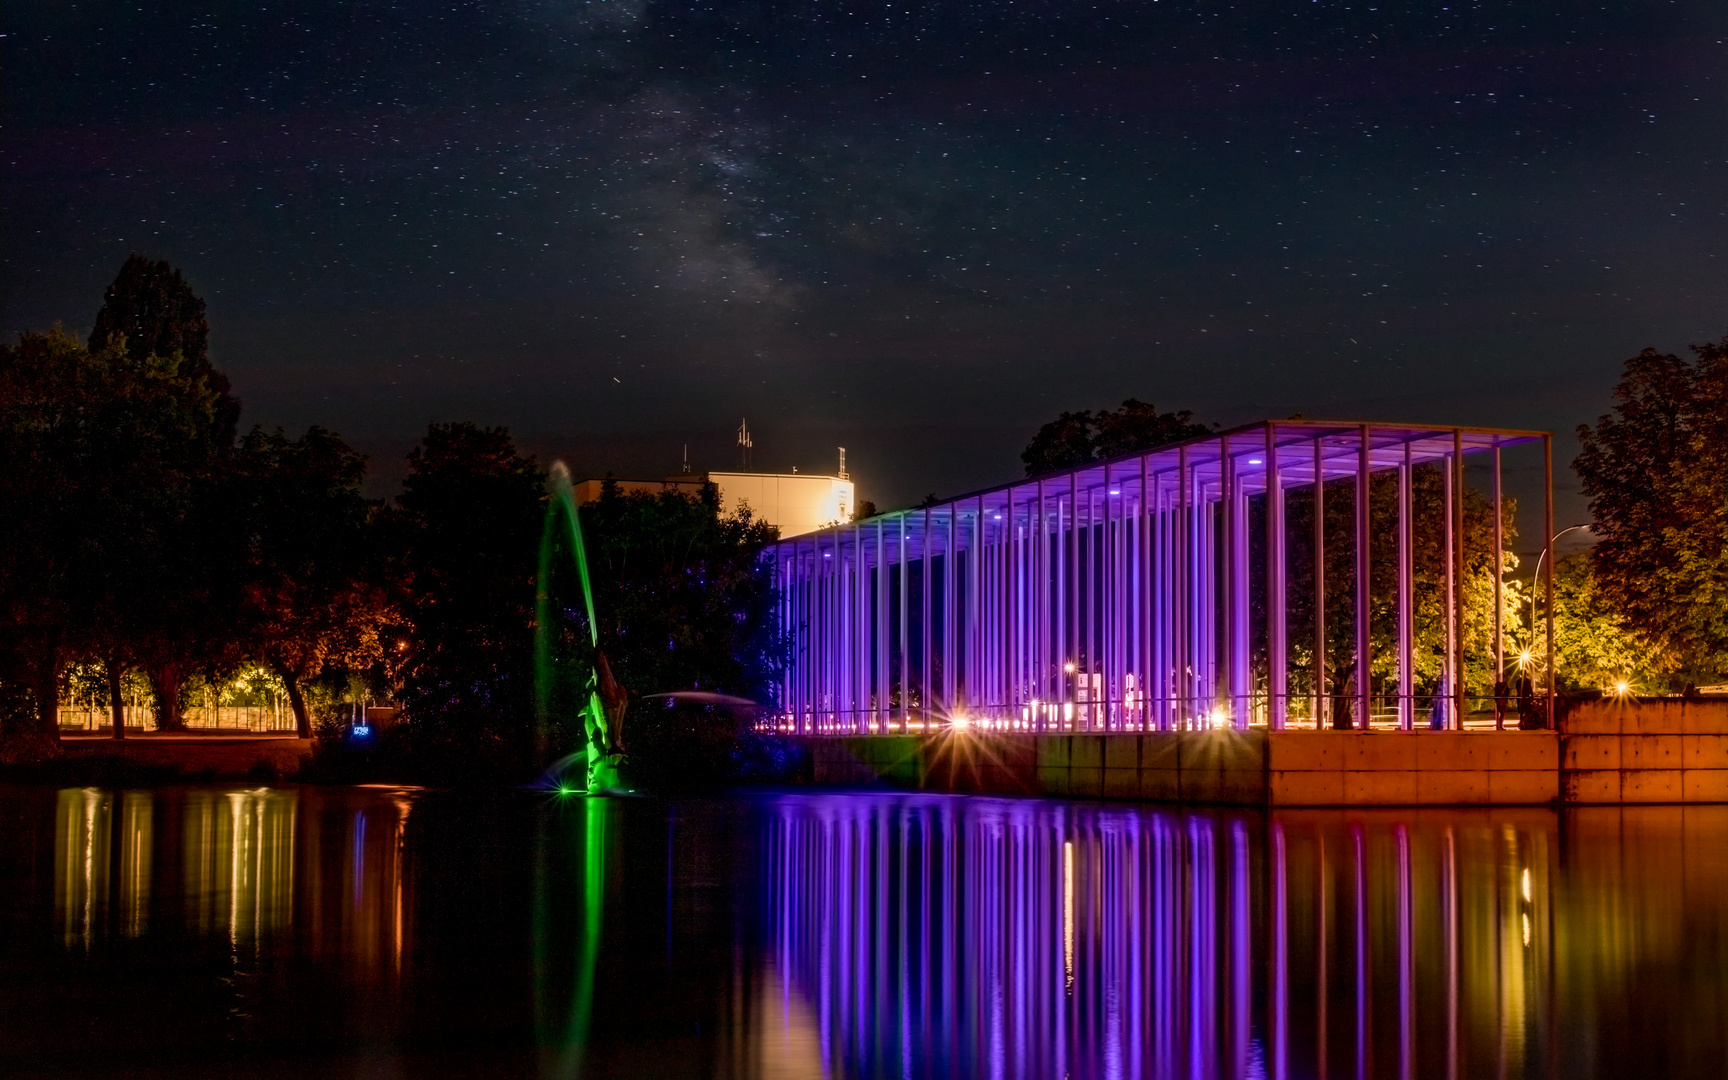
x,y
1663,750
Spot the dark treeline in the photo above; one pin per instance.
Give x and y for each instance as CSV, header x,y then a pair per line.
x,y
142,534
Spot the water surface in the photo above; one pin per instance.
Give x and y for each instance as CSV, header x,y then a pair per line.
x,y
296,931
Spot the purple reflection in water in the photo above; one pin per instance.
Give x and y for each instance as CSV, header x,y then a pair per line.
x,y
1010,939
937,936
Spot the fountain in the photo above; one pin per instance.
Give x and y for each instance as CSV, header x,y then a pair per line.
x,y
601,700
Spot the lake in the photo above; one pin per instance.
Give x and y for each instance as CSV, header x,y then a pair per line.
x,y
394,932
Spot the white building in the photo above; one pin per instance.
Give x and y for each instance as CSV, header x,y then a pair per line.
x,y
795,503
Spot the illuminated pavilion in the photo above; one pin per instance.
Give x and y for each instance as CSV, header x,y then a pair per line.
x,y
1116,596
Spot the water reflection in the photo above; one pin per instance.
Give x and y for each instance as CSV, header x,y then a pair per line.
x,y
237,852
859,936
936,937
227,863
94,868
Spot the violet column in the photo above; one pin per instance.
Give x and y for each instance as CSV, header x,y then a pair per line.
x,y
950,654
1319,585
1406,645
1460,687
1277,679
905,626
1499,571
1548,563
1443,700
926,685
1364,665
881,712
1180,622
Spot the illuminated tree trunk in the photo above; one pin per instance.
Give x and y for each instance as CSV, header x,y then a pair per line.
x,y
47,694
296,701
165,687
116,705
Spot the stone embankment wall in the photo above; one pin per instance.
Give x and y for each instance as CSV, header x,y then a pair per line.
x,y
1251,768
1656,750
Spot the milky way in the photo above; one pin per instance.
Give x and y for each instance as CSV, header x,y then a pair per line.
x,y
916,230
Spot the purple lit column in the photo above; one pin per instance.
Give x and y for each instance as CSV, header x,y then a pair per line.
x,y
1548,563
1179,573
1063,595
1241,670
1277,679
882,713
1443,701
906,626
926,585
1227,484
950,653
1459,688
1499,570
1406,647
1364,662
1319,584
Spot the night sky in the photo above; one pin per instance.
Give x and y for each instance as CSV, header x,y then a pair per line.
x,y
917,230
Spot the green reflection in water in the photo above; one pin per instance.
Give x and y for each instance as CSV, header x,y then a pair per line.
x,y
566,1033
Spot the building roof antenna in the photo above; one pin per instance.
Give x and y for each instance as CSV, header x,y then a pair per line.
x,y
745,444
686,469
843,463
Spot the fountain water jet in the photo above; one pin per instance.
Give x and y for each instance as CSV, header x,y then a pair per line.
x,y
601,753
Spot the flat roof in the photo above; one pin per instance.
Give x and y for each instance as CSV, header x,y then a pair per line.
x,y
1292,442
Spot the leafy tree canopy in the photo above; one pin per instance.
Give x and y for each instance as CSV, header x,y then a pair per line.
x,y
465,535
1075,438
682,597
152,309
1656,471
311,592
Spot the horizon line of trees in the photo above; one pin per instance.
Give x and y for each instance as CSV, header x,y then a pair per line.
x,y
142,534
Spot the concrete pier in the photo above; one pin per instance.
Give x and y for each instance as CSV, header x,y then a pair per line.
x,y
1654,751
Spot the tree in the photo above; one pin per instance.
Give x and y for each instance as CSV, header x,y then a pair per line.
x,y
154,311
45,456
1594,645
1062,443
1428,583
312,600
1078,438
172,574
1656,471
106,548
465,533
682,598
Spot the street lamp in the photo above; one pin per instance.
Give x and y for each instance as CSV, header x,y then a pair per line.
x,y
1529,653
1536,578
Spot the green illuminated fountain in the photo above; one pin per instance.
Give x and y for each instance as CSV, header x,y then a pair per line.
x,y
601,700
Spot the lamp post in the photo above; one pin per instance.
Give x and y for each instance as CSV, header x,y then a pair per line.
x,y
1535,578
1537,575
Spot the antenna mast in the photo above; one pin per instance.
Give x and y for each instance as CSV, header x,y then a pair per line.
x,y
745,443
843,463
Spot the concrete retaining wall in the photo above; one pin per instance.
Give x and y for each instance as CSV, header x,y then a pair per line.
x,y
197,756
1419,768
1253,768
1661,750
